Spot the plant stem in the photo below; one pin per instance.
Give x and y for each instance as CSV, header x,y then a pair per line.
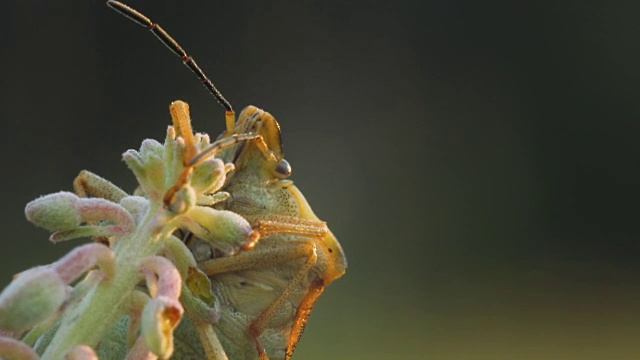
x,y
88,323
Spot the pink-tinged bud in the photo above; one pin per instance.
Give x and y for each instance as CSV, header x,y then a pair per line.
x,y
159,318
64,212
209,176
169,283
171,136
15,350
97,209
33,297
55,211
83,258
223,230
81,352
139,351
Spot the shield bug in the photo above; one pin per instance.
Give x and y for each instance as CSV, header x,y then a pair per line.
x,y
266,293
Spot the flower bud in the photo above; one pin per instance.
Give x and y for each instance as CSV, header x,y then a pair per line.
x,y
14,349
137,206
198,298
202,141
169,283
198,309
151,146
35,296
154,171
160,316
223,230
133,159
209,176
83,258
63,213
179,254
97,209
55,211
152,153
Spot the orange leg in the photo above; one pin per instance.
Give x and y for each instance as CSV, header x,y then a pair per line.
x,y
263,257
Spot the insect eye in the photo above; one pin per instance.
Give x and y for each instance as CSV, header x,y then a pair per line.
x,y
283,170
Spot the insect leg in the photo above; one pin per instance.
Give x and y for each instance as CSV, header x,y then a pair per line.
x,y
264,257
258,258
269,225
258,325
228,142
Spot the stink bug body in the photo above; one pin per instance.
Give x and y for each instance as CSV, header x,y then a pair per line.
x,y
266,293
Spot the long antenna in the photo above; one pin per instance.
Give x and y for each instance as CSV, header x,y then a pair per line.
x,y
173,45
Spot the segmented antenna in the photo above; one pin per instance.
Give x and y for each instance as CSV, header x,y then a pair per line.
x,y
173,45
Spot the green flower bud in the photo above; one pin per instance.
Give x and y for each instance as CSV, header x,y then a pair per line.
x,y
149,168
137,206
55,211
133,159
209,176
35,296
198,299
154,171
223,230
151,146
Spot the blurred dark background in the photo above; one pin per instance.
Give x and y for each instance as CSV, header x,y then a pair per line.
x,y
478,161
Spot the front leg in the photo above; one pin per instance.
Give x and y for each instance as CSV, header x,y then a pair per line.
x,y
269,225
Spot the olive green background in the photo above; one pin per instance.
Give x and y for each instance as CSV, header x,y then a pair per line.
x,y
477,160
